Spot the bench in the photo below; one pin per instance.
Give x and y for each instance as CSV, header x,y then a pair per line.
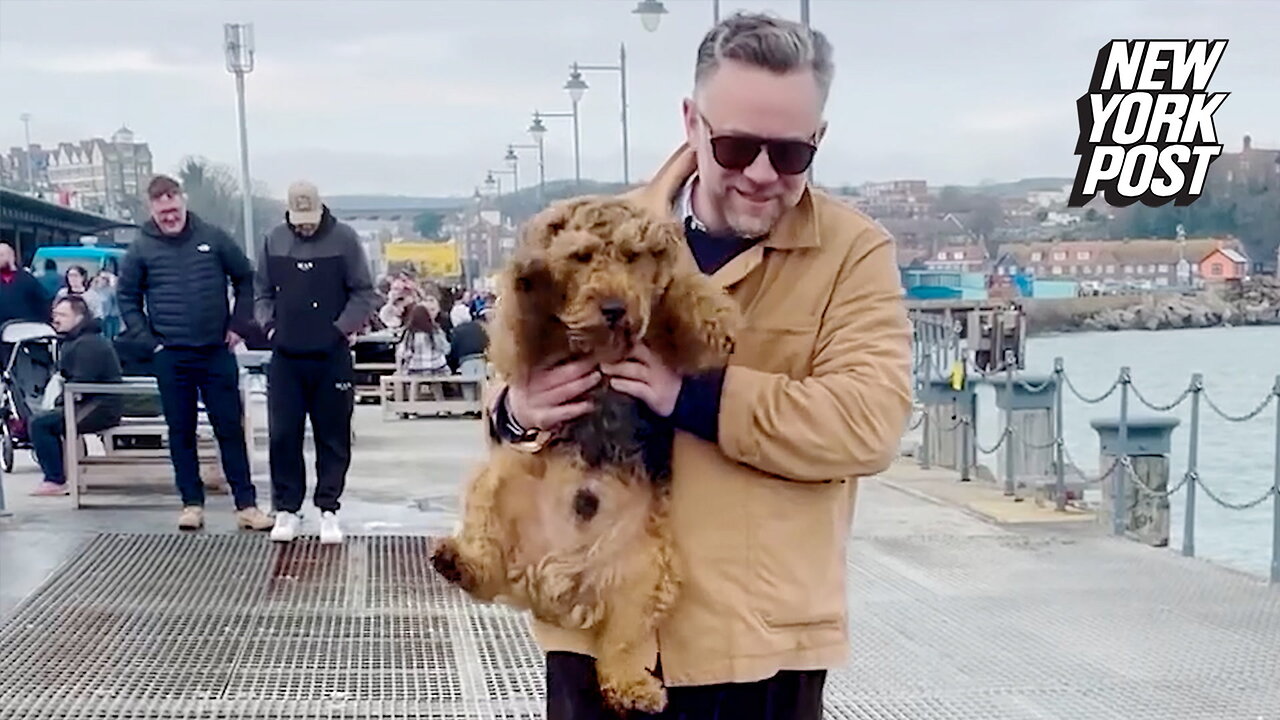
x,y
368,377
428,395
135,454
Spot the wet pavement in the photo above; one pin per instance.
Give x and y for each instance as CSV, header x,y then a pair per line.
x,y
404,480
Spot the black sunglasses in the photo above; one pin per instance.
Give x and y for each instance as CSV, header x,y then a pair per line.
x,y
737,152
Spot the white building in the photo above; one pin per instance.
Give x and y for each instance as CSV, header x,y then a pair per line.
x,y
105,177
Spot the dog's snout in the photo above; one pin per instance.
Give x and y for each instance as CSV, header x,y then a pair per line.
x,y
613,311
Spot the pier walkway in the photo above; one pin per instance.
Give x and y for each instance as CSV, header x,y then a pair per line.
x,y
108,613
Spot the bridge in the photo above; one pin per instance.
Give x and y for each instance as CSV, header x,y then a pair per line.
x,y
27,223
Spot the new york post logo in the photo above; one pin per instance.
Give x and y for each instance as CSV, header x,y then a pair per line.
x,y
1146,124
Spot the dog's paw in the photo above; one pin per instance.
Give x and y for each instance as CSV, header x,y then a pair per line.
x,y
446,561
644,694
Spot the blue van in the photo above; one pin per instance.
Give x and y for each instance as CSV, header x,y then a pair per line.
x,y
57,259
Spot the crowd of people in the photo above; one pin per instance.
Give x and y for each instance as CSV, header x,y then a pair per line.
x,y
187,298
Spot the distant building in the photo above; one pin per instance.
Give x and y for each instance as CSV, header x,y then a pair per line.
x,y
1250,170
893,199
1224,263
105,177
969,258
26,170
1159,263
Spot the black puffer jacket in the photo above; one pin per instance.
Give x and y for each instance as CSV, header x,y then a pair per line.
x,y
86,356
181,280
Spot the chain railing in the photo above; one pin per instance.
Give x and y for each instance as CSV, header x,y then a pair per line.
x,y
1121,471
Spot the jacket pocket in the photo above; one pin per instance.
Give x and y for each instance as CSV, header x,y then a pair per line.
x,y
797,539
777,349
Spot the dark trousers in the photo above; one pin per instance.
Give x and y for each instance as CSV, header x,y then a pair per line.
x,y
573,693
211,375
47,429
320,387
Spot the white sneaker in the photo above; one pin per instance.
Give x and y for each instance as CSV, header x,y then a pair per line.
x,y
330,530
286,527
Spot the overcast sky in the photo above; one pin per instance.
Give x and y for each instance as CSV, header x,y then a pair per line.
x,y
422,97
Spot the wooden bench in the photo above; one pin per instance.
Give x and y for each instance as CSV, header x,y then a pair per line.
x,y
427,395
135,453
366,391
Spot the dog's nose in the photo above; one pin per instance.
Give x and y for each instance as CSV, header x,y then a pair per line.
x,y
613,311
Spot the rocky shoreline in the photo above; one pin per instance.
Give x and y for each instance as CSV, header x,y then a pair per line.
x,y
1254,302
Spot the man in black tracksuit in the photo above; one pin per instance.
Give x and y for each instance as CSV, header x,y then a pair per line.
x,y
314,291
173,296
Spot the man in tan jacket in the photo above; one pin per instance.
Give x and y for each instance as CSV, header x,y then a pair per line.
x,y
768,450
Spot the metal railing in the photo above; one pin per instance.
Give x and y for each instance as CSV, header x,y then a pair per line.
x,y
934,341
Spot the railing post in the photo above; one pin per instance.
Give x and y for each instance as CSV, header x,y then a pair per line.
x,y
1059,446
1119,480
926,435
1010,490
3,512
1193,476
1144,447
1275,499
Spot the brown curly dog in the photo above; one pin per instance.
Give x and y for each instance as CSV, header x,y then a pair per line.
x,y
577,532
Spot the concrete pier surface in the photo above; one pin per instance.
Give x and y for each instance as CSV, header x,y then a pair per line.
x,y
961,609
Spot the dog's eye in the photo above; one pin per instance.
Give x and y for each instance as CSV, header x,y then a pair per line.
x,y
630,256
582,257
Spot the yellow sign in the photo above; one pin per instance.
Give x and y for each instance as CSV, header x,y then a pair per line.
x,y
438,259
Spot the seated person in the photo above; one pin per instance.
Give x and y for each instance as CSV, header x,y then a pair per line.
x,y
86,357
467,351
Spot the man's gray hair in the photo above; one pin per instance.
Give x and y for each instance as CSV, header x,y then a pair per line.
x,y
768,42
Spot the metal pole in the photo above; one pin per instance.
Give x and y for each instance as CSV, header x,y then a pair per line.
x,y
542,174
926,387
577,149
626,141
1275,498
1119,495
515,174
804,12
246,187
1009,489
715,12
1193,459
31,172
1059,443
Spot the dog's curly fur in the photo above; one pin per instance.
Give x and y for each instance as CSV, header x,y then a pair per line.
x,y
577,533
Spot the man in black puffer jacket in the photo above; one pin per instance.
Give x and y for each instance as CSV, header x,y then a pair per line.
x,y
173,292
314,292
85,356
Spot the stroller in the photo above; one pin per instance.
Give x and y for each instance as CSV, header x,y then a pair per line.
x,y
29,361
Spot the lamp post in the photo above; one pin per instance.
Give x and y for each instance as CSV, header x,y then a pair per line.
x,y
651,12
26,151
513,157
238,46
538,131
577,85
498,181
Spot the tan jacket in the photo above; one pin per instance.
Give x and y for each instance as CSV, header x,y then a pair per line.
x,y
817,394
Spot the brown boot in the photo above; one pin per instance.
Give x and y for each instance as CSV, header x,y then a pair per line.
x,y
192,518
251,518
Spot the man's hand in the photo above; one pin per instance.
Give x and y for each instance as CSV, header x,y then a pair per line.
x,y
233,339
643,376
551,396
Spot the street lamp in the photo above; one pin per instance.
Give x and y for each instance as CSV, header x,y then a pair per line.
x,y
514,158
238,46
650,12
538,131
26,130
577,86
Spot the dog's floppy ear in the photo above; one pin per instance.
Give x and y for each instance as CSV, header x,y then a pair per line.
x,y
694,320
527,308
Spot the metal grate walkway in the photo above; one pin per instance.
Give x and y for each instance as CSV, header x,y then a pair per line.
x,y
977,627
